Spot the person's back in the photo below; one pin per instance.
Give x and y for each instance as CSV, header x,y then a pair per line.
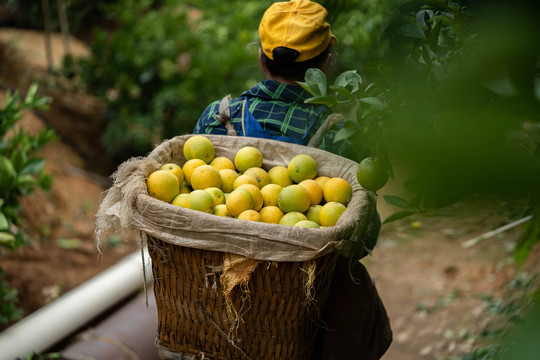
x,y
294,38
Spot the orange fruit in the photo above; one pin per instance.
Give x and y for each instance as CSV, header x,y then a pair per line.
x,y
302,167
248,157
313,213
200,200
227,179
371,174
238,201
294,198
260,174
245,179
175,169
280,175
255,193
180,200
250,215
217,194
189,167
289,219
337,189
271,214
330,213
315,190
199,147
222,162
163,185
205,176
185,188
321,180
270,194
221,210
307,223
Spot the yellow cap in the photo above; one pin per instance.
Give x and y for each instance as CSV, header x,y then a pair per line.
x,y
297,25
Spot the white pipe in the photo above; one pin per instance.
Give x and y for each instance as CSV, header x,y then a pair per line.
x,y
47,326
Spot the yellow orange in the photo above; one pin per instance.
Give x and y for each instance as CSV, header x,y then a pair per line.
x,y
200,200
271,214
185,188
245,179
255,193
331,212
289,219
313,213
294,198
205,176
337,189
322,180
302,167
250,215
238,201
307,224
222,162
227,179
175,169
248,157
315,190
163,185
199,147
221,210
280,175
260,174
180,200
189,167
270,194
217,194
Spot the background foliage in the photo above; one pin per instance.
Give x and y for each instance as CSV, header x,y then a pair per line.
x,y
21,171
445,93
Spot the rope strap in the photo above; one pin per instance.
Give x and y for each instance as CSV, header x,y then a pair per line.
x,y
224,115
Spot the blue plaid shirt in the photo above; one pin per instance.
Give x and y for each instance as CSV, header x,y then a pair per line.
x,y
279,109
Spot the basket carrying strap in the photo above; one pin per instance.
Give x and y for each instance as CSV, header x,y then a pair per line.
x,y
224,115
332,119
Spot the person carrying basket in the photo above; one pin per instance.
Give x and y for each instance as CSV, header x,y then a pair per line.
x,y
294,38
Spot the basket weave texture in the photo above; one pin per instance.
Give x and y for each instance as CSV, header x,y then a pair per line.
x,y
277,321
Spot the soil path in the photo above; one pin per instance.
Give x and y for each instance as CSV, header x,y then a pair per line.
x,y
431,285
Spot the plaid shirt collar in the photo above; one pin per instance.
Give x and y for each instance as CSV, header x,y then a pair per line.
x,y
276,91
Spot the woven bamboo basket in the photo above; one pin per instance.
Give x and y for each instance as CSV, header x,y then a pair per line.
x,y
230,289
277,321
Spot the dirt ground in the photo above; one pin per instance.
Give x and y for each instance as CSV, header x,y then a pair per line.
x,y
433,287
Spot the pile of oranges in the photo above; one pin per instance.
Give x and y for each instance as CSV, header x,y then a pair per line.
x,y
291,195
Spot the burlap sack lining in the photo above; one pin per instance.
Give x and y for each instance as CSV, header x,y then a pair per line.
x,y
128,206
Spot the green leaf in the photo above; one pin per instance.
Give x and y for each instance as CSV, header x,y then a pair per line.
x,y
4,223
31,94
373,102
315,82
7,240
412,31
398,215
348,130
33,166
437,5
325,100
433,36
349,78
397,201
341,90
